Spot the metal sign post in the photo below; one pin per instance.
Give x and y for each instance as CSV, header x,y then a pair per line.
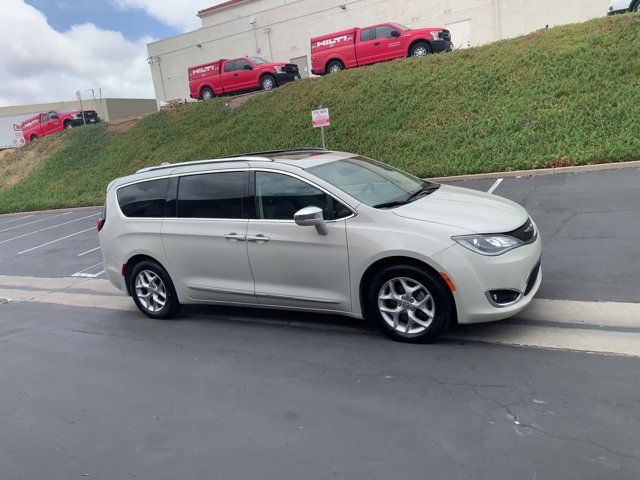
x,y
321,119
79,95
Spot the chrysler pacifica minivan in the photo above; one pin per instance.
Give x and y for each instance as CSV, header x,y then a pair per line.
x,y
315,230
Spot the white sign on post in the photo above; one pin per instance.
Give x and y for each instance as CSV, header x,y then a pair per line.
x,y
320,118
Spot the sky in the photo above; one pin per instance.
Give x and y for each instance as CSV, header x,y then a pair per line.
x,y
51,48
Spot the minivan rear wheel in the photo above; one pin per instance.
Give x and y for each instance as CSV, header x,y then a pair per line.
x,y
153,291
408,303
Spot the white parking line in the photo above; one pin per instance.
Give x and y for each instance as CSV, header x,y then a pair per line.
x,y
56,240
47,228
82,273
16,219
88,251
35,221
495,185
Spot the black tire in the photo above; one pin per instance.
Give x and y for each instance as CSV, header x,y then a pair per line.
x,y
171,305
420,50
68,125
335,66
207,94
33,138
268,82
440,304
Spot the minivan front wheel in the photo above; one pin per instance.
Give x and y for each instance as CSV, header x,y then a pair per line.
x,y
153,291
409,304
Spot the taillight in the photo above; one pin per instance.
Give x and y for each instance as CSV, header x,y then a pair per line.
x,y
103,218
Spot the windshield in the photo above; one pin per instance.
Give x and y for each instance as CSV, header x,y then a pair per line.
x,y
401,26
373,183
258,60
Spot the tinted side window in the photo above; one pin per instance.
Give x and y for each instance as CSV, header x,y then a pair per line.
x,y
279,197
230,66
240,64
144,199
384,31
212,195
368,34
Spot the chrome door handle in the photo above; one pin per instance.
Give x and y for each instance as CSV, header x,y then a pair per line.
x,y
258,238
234,237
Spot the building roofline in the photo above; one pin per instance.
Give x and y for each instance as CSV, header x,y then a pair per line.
x,y
221,6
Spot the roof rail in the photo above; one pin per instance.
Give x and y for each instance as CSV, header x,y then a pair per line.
x,y
239,157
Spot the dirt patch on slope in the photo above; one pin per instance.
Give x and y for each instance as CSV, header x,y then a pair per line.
x,y
20,162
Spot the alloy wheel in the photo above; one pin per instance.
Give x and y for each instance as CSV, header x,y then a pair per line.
x,y
150,291
268,83
406,305
420,51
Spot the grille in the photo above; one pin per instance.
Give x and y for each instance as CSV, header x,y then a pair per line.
x,y
291,68
532,279
445,35
526,233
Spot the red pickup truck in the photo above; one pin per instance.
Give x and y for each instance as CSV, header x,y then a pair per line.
x,y
378,43
240,74
55,121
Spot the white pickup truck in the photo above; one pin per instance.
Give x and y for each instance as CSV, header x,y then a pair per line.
x,y
624,6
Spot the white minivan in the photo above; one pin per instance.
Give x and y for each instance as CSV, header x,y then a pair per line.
x,y
315,230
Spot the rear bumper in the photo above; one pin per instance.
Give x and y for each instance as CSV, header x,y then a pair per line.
x,y
283,78
78,122
440,46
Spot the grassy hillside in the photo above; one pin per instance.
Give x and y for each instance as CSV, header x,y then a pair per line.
x,y
564,96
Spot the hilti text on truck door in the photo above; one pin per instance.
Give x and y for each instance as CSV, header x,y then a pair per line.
x,y
378,43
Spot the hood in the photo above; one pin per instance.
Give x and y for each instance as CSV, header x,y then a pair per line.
x,y
426,31
476,211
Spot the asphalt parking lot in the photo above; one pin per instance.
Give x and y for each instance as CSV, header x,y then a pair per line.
x,y
244,393
590,223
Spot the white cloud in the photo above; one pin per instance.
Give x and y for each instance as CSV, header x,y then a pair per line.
x,y
40,64
177,13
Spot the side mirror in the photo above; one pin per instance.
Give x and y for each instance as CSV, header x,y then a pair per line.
x,y
248,67
311,217
395,33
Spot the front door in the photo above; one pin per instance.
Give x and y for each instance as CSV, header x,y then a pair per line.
x,y
51,123
229,77
388,43
205,240
295,266
246,76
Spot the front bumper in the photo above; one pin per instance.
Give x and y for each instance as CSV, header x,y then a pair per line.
x,y
283,78
617,12
439,46
474,275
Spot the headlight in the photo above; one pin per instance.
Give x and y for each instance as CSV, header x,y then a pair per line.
x,y
279,69
490,245
435,35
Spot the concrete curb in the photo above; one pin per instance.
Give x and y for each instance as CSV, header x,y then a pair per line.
x,y
540,172
53,210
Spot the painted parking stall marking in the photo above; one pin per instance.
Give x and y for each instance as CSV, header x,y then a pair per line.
x,y
495,185
15,220
88,251
48,228
87,272
56,240
35,221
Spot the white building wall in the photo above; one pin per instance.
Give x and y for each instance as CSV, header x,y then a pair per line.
x,y
281,29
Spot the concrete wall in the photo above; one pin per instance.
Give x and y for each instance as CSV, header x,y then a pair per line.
x,y
107,108
282,29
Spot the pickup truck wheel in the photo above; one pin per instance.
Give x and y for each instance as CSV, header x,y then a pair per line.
x,y
68,125
206,94
33,138
335,66
420,49
268,83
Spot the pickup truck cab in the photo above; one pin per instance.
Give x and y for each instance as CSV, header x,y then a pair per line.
x,y
377,43
237,75
54,121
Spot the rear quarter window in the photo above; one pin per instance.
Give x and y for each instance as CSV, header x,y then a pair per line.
x,y
144,199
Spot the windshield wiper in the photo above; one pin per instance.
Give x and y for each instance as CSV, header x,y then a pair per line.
x,y
410,198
